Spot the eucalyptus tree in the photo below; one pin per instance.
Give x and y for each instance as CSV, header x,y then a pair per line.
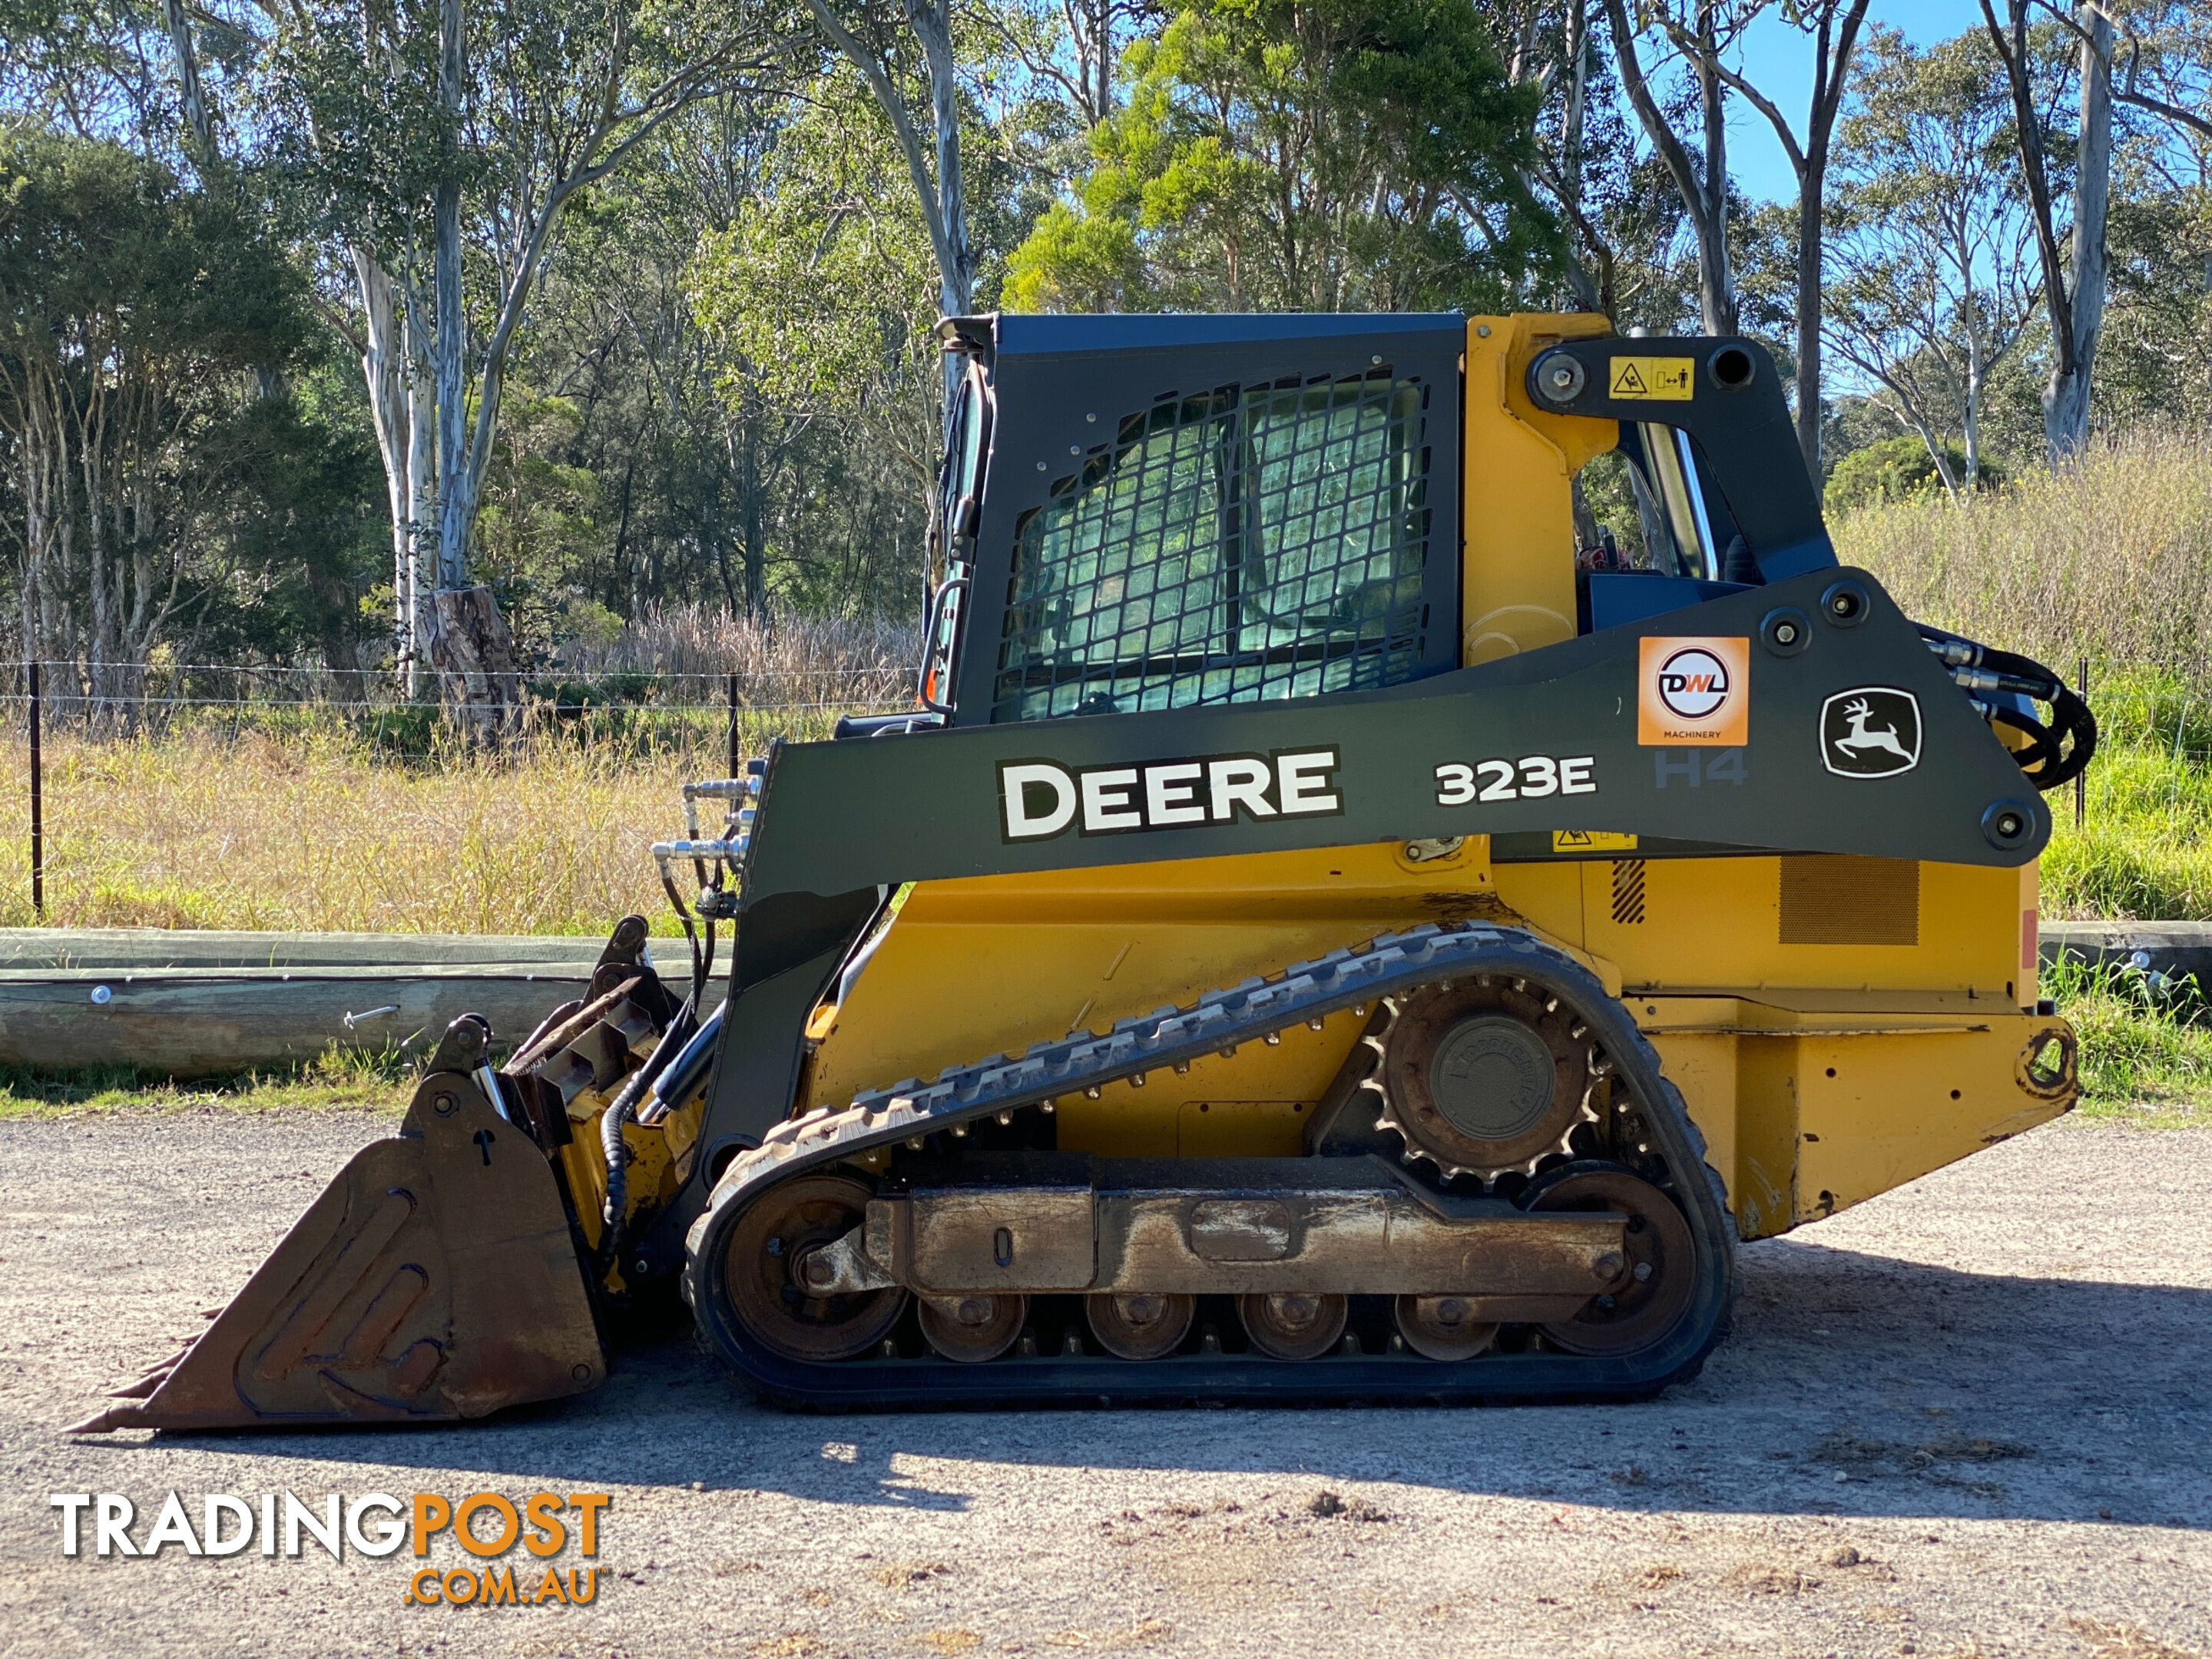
x,y
1547,46
1699,33
2150,60
1344,154
2161,64
1832,28
1937,275
1075,44
903,50
2075,259
2154,357
442,160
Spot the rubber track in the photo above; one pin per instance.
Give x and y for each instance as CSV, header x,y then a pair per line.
x,y
1248,1011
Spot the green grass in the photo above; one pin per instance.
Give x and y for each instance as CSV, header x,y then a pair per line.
x,y
2146,1055
357,1079
2145,849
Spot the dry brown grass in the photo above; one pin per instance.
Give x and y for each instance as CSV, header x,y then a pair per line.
x,y
315,832
790,660
2111,559
302,818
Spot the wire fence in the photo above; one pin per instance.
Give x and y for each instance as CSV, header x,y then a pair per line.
x,y
173,794
668,667
131,701
186,791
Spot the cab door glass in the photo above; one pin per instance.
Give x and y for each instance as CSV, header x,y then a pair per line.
x,y
1254,543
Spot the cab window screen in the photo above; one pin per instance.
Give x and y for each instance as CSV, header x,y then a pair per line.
x,y
1250,544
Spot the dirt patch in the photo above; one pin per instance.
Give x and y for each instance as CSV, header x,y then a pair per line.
x,y
2126,1641
905,1575
2002,1362
1329,1506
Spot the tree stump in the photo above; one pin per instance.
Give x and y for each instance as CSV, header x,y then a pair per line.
x,y
473,654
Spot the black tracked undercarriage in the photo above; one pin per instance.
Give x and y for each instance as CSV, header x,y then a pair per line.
x,y
856,1260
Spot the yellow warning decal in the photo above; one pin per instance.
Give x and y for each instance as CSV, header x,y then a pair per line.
x,y
1591,841
1661,379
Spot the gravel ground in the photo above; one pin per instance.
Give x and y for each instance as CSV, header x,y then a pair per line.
x,y
1968,1418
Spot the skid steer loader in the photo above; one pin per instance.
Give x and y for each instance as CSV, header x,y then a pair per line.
x,y
1324,932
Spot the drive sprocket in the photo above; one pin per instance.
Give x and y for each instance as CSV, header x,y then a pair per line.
x,y
1483,1076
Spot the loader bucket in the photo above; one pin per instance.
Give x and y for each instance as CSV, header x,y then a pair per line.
x,y
435,1278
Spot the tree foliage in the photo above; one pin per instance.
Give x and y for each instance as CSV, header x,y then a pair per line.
x,y
696,255
148,332
1280,154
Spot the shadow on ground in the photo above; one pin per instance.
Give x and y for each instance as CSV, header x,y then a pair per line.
x,y
1854,1384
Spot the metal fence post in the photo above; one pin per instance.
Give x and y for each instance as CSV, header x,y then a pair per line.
x,y
37,806
734,745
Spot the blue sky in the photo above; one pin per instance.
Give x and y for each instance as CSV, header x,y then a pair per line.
x,y
1779,61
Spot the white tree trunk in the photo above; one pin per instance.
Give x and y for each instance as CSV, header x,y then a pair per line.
x,y
1977,374
2066,401
1704,189
392,405
197,122
451,349
932,20
421,481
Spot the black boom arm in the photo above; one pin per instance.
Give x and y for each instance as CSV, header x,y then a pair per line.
x,y
1726,395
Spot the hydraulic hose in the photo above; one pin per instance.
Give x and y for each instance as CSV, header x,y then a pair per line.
x,y
1998,682
615,1218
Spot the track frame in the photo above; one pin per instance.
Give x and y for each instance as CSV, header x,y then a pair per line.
x,y
911,1111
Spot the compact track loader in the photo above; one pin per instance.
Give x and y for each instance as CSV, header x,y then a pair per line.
x,y
1321,934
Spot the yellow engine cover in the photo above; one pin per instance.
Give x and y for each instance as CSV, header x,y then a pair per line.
x,y
1828,1053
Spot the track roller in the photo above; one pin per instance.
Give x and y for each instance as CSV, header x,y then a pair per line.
x,y
1140,1326
975,1328
764,1269
1293,1326
1442,1327
1661,1274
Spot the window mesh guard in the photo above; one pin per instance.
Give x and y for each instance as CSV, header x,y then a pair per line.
x,y
1250,544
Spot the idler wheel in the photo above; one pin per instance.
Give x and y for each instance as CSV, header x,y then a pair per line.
x,y
763,1269
1655,1284
1298,1326
975,1328
1482,1079
1442,1327
1144,1326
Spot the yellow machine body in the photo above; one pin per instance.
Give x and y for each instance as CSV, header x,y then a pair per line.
x,y
1179,1127
1822,1069
1837,1025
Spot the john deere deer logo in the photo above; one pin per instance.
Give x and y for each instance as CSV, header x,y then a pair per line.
x,y
1873,731
1861,740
